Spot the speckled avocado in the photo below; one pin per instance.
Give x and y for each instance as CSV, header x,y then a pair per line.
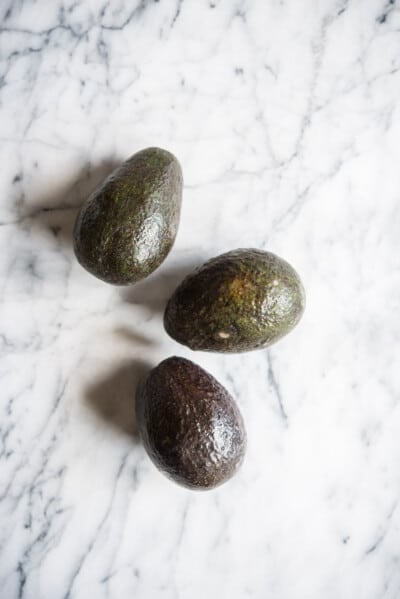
x,y
243,300
126,228
191,427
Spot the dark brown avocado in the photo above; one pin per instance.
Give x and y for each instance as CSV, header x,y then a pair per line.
x,y
243,300
191,427
128,225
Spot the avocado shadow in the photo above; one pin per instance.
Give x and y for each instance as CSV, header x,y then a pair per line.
x,y
113,398
134,337
54,212
155,291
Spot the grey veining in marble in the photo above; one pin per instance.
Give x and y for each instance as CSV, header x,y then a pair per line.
x,y
285,116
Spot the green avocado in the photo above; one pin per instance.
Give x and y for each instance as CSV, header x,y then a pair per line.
x,y
243,300
128,225
191,427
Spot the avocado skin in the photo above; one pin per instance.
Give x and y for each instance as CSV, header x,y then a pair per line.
x,y
190,425
243,300
127,226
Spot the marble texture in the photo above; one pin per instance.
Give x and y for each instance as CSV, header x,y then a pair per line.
x,y
286,118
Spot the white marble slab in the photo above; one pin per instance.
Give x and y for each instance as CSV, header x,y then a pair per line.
x,y
285,116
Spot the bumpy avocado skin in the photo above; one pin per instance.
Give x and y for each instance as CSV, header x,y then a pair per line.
x,y
190,425
243,300
128,225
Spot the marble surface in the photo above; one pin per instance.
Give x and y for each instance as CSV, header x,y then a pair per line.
x,y
285,116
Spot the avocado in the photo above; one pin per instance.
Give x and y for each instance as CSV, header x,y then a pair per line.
x,y
243,300
191,427
127,226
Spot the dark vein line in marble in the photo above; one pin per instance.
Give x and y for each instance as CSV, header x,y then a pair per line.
x,y
8,13
387,10
343,8
47,523
177,12
183,523
37,439
382,536
4,434
46,33
376,544
21,580
293,210
137,12
63,26
112,570
318,51
275,386
99,528
297,205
